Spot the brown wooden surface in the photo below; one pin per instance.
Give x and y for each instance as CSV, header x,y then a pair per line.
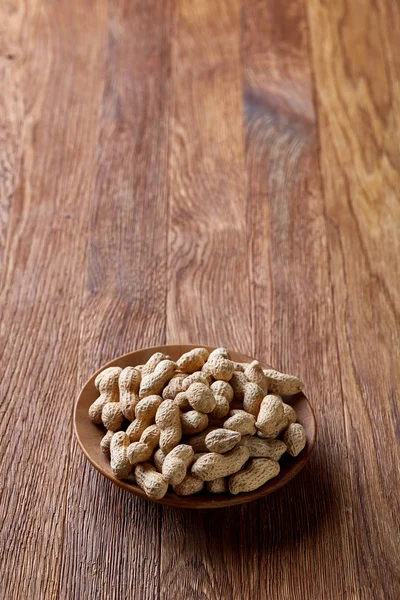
x,y
217,172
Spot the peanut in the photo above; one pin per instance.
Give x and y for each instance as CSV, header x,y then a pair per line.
x,y
222,440
152,483
252,398
255,374
201,398
193,360
196,377
105,443
154,382
151,364
221,368
182,401
176,463
164,400
223,394
120,465
193,422
217,486
169,422
241,421
158,459
295,439
145,412
129,382
106,383
205,369
189,486
214,465
238,383
198,441
112,416
142,450
258,472
283,384
222,351
270,415
174,387
259,448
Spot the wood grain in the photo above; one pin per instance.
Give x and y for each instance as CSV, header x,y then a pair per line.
x,y
208,295
292,299
358,110
42,283
111,543
209,172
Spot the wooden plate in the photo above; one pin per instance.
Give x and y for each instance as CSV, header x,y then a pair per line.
x,y
89,436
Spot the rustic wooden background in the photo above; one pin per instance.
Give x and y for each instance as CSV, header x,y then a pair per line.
x,y
222,172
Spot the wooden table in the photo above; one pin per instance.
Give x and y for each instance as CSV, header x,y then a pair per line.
x,y
200,171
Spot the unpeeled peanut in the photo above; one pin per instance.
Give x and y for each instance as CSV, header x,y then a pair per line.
x,y
213,465
129,382
258,472
217,486
295,439
193,422
223,394
120,465
151,364
189,486
154,382
241,421
181,400
174,387
200,397
252,398
255,374
152,483
270,415
221,368
141,451
106,383
283,384
193,360
105,443
169,421
176,463
260,448
222,440
145,413
198,442
196,377
112,416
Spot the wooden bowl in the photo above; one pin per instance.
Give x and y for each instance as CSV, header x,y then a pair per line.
x,y
89,435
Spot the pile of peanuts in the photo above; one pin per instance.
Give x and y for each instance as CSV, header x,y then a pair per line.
x,y
203,421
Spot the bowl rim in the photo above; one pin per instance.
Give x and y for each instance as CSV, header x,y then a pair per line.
x,y
223,500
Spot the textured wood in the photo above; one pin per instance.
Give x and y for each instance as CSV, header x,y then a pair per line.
x,y
44,270
357,73
292,296
125,293
216,172
208,295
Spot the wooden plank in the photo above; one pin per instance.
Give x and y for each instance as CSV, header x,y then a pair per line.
x,y
307,548
357,72
208,295
208,299
53,90
11,117
111,544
